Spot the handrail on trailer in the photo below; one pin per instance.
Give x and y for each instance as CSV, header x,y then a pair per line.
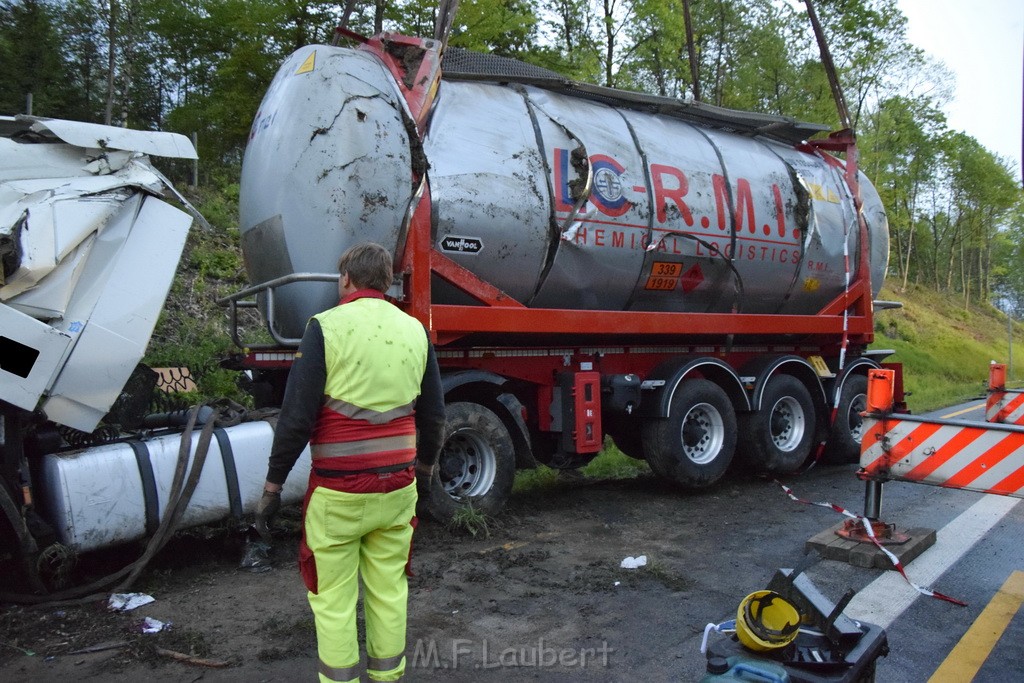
x,y
239,299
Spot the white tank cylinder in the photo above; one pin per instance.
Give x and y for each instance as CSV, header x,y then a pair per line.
x,y
116,493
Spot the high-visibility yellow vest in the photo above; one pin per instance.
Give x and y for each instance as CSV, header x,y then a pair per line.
x,y
375,356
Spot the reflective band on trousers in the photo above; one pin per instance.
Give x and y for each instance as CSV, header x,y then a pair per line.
x,y
364,447
374,417
383,663
340,674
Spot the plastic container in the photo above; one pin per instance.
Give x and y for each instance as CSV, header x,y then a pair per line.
x,y
737,668
810,658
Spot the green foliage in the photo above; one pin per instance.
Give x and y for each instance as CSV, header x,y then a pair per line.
x,y
33,61
472,521
945,350
610,463
502,27
193,330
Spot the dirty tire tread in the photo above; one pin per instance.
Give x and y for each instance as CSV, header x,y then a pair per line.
x,y
756,444
662,437
485,424
842,448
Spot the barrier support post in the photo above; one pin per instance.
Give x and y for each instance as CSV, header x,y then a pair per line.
x,y
881,386
873,500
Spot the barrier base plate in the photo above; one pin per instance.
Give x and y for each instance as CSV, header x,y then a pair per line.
x,y
832,546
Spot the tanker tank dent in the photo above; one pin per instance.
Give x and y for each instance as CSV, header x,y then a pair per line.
x,y
672,206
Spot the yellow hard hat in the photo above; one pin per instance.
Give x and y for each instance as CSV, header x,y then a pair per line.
x,y
766,621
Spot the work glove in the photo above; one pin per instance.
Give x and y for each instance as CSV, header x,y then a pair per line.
x,y
268,506
424,475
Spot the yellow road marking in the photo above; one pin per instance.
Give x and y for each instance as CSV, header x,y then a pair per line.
x,y
965,660
961,412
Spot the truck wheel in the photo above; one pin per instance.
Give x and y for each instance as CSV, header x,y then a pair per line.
x,y
779,436
476,467
694,445
845,435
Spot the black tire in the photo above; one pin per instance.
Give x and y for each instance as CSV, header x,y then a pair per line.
x,y
694,445
476,467
625,432
844,437
779,437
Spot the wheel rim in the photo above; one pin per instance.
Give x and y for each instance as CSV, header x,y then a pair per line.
x,y
787,424
858,405
702,433
467,465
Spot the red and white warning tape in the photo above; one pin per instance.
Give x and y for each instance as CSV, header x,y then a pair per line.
x,y
871,534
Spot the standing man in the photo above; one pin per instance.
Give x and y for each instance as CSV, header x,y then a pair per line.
x,y
361,369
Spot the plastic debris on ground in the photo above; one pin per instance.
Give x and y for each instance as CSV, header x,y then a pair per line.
x,y
634,562
125,602
151,625
256,557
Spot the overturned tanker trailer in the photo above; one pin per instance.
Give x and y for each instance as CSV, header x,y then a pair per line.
x,y
696,283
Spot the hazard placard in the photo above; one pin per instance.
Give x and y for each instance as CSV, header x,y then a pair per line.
x,y
308,65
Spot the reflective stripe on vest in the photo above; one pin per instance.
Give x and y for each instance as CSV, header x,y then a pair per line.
x,y
375,356
343,674
364,447
371,416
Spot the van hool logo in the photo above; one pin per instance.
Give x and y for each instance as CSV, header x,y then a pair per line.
x,y
462,245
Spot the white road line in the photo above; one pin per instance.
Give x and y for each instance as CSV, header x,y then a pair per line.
x,y
887,597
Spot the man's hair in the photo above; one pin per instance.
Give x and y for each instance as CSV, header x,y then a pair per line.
x,y
368,266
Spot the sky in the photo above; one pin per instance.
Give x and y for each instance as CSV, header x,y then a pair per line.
x,y
982,41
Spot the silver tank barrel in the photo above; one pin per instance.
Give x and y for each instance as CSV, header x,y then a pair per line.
x,y
680,217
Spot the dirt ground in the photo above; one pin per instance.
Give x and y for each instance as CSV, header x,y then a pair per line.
x,y
541,595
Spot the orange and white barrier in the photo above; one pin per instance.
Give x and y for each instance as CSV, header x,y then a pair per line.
x,y
986,457
1003,405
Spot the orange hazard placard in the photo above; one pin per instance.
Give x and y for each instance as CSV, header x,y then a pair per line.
x,y
664,276
663,284
666,269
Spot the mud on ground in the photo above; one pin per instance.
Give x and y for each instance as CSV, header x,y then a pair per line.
x,y
539,594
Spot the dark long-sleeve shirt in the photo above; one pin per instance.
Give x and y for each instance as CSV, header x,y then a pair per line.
x,y
304,396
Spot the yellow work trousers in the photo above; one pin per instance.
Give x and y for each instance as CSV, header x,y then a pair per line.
x,y
367,536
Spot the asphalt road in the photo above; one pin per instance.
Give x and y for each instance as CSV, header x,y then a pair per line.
x,y
543,596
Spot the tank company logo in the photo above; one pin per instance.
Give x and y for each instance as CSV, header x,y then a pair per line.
x,y
706,202
608,193
456,244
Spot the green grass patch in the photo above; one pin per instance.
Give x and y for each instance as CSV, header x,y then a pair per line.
x,y
471,521
945,349
610,463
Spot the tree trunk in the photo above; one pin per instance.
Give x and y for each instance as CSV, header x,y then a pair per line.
x,y
108,112
719,56
609,36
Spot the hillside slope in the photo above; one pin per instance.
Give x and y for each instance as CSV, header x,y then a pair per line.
x,y
945,350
